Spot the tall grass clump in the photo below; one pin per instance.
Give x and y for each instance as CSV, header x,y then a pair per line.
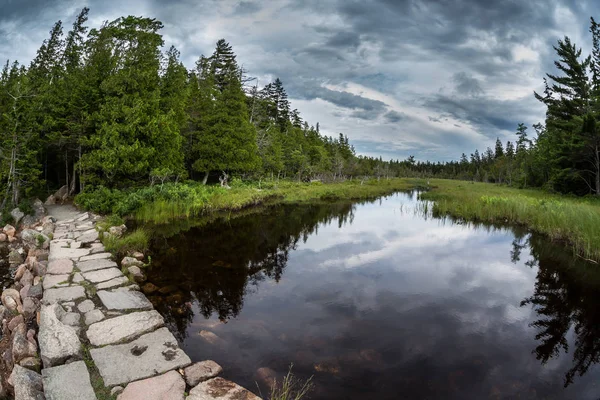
x,y
138,240
290,388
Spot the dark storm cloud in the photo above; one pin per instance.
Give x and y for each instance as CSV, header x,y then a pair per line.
x,y
456,73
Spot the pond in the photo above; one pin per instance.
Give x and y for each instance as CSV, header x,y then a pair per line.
x,y
378,300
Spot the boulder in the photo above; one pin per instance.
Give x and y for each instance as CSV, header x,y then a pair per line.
x,y
51,200
201,371
27,278
16,321
222,389
14,257
9,230
21,347
61,194
28,384
117,231
136,273
28,221
127,262
38,208
24,292
36,291
17,215
58,342
29,307
3,237
169,386
11,299
34,239
138,255
266,376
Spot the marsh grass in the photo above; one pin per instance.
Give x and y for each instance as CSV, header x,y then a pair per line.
x,y
290,388
575,221
138,240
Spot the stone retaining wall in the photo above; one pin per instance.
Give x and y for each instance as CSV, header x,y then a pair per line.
x,y
99,336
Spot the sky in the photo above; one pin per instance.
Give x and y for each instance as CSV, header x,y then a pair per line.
x,y
430,78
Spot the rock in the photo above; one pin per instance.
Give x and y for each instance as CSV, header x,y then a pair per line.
x,y
93,316
116,390
86,306
35,239
136,273
51,200
63,294
82,217
39,268
211,337
124,327
21,347
124,300
266,376
151,354
149,288
31,336
3,237
51,281
96,256
201,371
38,208
8,295
16,321
17,215
219,388
48,228
60,266
36,291
102,275
88,237
71,318
127,262
117,231
28,221
112,283
20,271
97,248
32,363
24,292
62,193
69,381
169,386
14,257
138,255
9,230
93,265
28,384
27,278
58,342
168,289
29,307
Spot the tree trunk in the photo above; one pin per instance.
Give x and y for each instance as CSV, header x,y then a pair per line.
x,y
205,179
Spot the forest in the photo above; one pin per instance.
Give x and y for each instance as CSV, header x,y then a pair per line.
x,y
107,109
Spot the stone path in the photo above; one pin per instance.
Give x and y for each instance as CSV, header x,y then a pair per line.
x,y
98,332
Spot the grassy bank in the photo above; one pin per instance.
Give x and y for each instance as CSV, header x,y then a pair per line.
x,y
162,204
575,221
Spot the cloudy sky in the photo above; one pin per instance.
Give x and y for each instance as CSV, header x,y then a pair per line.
x,y
430,78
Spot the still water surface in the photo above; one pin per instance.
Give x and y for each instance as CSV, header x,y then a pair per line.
x,y
380,301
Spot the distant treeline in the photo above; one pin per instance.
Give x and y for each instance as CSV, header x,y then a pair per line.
x,y
105,107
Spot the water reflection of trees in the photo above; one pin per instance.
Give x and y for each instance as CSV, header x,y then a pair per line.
x,y
219,263
565,297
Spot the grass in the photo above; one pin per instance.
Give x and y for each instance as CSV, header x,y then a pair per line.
x,y
290,388
572,220
137,240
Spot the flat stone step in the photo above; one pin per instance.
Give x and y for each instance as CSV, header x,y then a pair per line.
x,y
51,281
124,327
151,354
63,294
102,275
124,300
112,283
96,256
92,265
169,386
69,381
60,266
222,389
66,252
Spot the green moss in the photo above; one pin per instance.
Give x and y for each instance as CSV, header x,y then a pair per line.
x,y
102,392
